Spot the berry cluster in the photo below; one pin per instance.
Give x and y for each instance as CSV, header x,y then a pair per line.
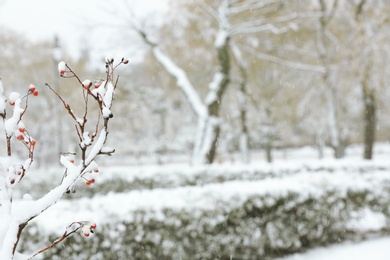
x,y
14,125
33,90
87,229
92,169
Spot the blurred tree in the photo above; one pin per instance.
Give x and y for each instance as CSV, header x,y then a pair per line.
x,y
370,20
325,50
303,61
229,20
30,62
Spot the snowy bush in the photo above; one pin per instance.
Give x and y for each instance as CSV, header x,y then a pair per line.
x,y
128,178
91,130
274,216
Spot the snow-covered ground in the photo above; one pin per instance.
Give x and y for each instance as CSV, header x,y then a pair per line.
x,y
375,249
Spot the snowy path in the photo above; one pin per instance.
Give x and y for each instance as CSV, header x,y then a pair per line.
x,y
376,249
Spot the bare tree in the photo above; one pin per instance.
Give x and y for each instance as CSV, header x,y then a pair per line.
x,y
232,22
368,57
337,141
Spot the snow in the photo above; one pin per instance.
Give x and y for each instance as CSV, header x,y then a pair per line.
x,y
3,100
100,91
107,99
11,123
97,147
87,83
13,96
221,38
367,220
214,88
301,174
227,194
62,68
86,140
106,112
375,249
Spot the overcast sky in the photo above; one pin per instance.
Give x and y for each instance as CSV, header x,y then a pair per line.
x,y
70,20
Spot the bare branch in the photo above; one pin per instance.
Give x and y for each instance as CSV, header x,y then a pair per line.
x,y
66,234
213,13
251,5
257,29
359,9
287,63
66,105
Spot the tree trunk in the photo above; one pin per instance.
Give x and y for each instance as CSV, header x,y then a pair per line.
x,y
244,137
369,121
242,102
205,145
209,127
268,152
369,100
320,144
331,93
206,140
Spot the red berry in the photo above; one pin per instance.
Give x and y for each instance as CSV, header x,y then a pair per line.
x,y
20,137
93,226
71,160
12,103
87,84
32,88
22,130
96,170
88,183
62,72
86,234
35,93
33,142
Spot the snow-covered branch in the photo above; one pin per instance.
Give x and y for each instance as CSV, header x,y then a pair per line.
x,y
182,81
250,5
15,214
175,71
287,63
209,10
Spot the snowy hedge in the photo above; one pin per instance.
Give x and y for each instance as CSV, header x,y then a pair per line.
x,y
242,219
124,179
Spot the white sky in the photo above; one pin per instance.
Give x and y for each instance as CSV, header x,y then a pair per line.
x,y
43,19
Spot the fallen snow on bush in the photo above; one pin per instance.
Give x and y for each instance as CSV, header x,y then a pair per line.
x,y
227,195
375,249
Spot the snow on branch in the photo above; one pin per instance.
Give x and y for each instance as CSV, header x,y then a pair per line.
x,y
182,81
175,71
86,228
16,214
210,10
272,24
250,5
287,63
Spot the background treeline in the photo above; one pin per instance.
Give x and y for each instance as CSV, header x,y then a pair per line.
x,y
298,73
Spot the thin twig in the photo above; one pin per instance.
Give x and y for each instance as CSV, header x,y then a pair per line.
x,y
59,240
67,107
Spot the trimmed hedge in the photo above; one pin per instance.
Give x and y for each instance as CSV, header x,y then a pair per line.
x,y
263,227
124,180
